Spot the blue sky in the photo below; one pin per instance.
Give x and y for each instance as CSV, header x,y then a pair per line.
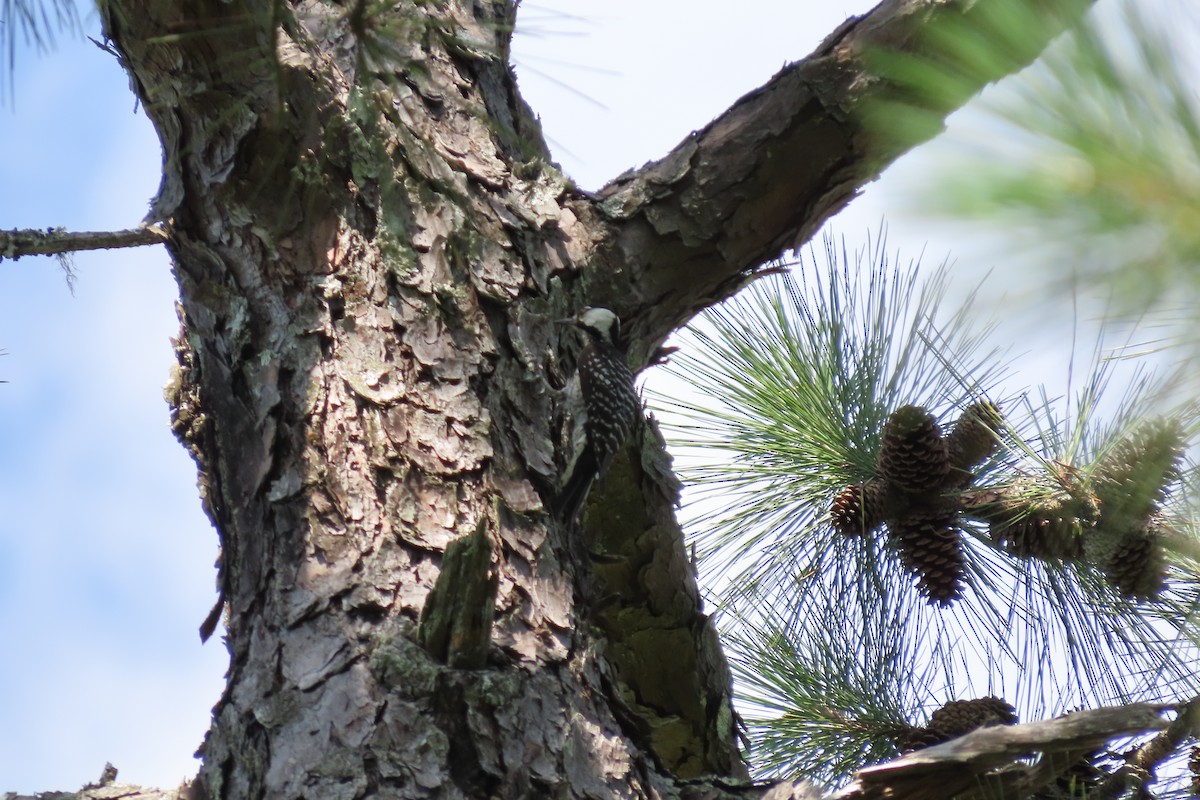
x,y
105,556
107,559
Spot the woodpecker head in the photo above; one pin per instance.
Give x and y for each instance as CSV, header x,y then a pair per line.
x,y
600,324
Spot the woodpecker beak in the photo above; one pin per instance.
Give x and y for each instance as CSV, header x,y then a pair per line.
x,y
567,321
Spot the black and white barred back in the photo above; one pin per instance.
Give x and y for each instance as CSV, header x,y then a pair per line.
x,y
606,384
610,405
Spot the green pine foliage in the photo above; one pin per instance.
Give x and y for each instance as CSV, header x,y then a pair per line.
x,y
1082,567
1092,159
802,376
821,700
803,373
33,23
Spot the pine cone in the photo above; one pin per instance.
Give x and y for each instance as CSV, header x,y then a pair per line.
x,y
858,509
1131,480
930,547
959,717
1138,567
973,439
912,453
918,739
1050,534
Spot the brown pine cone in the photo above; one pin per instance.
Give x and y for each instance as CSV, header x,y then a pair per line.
x,y
1048,533
912,452
959,717
858,509
930,547
1138,568
973,439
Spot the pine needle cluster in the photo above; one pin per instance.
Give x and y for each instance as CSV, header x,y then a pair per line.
x,y
37,22
862,447
1098,170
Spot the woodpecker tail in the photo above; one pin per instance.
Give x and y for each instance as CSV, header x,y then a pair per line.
x,y
574,492
210,622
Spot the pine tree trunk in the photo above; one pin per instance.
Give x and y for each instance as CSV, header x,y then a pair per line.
x,y
372,246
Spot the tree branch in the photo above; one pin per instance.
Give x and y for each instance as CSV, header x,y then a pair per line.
x,y
959,768
771,170
1140,763
107,788
56,241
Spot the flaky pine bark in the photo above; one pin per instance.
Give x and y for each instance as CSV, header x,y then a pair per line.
x,y
372,244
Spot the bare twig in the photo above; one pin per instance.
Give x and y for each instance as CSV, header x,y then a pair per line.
x,y
56,241
1141,762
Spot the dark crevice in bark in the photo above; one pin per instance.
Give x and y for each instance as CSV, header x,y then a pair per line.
x,y
451,704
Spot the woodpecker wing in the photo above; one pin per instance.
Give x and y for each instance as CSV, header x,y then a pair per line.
x,y
610,400
610,405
